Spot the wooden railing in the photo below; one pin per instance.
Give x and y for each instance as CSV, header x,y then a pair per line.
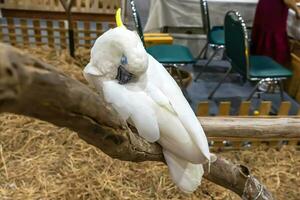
x,y
246,141
83,6
35,32
245,109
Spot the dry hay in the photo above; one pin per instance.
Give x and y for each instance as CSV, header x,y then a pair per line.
x,y
41,161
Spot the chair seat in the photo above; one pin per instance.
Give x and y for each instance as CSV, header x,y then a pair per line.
x,y
216,35
266,67
171,54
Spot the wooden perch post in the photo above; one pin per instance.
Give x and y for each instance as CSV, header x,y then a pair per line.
x,y
68,4
32,88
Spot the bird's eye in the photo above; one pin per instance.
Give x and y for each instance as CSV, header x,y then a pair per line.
x,y
124,60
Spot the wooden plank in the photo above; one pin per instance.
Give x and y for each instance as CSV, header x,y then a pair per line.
x,y
47,29
30,28
293,142
283,128
31,4
11,31
87,34
50,33
112,25
157,35
86,39
99,29
100,5
52,5
298,95
284,108
88,46
162,40
37,32
84,45
243,144
76,35
93,5
203,108
54,15
244,108
218,144
274,143
88,31
265,107
224,108
37,43
248,139
24,30
292,84
77,4
236,144
1,34
255,144
38,36
62,34
87,5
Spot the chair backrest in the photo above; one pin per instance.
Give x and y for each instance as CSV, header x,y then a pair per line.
x,y
205,16
236,42
137,21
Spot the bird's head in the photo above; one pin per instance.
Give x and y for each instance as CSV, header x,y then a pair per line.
x,y
118,54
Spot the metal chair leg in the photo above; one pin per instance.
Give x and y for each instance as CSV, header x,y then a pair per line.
x,y
180,77
280,83
204,50
207,63
224,55
183,89
219,84
253,92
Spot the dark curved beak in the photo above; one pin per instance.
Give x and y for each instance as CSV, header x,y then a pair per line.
x,y
123,75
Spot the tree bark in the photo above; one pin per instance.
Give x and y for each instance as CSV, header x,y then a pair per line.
x,y
32,88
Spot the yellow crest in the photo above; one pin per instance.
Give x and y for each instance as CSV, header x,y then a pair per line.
x,y
119,18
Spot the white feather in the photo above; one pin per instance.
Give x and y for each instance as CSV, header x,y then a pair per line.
x,y
90,69
162,80
186,175
133,105
153,103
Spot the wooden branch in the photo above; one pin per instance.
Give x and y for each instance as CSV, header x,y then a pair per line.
x,y
32,88
236,178
252,127
29,87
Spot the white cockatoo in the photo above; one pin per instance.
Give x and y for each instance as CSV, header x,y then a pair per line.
x,y
144,94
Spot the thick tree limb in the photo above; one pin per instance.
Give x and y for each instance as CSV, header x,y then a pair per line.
x,y
29,87
32,88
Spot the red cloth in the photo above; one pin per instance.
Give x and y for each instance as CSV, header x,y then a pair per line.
x,y
269,34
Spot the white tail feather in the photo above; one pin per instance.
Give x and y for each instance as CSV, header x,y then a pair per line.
x,y
186,176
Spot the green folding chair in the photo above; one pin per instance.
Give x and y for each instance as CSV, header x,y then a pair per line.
x,y
215,37
252,67
172,55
